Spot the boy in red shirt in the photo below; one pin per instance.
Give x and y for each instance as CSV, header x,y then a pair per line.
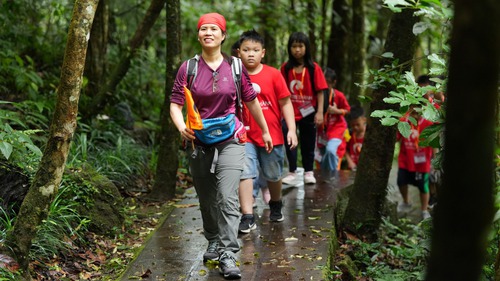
x,y
274,99
414,163
357,124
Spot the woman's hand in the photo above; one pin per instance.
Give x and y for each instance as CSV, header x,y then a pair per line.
x,y
187,134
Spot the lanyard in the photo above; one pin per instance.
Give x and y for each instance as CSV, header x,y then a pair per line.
x,y
301,79
418,130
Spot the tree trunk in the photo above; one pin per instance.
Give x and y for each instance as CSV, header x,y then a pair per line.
x,y
383,18
311,17
95,64
168,160
358,51
106,93
370,186
322,33
269,24
34,208
465,211
338,43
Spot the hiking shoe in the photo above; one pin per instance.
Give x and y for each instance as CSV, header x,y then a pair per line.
x,y
290,179
247,223
211,253
309,177
425,215
404,208
276,214
228,267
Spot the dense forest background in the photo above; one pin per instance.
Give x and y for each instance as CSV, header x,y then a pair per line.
x,y
85,134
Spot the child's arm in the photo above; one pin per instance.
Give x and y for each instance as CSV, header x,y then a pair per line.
x,y
289,116
318,118
350,162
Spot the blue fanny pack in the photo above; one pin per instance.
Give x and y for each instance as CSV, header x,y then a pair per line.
x,y
216,130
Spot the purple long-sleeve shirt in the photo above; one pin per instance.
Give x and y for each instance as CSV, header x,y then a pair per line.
x,y
212,101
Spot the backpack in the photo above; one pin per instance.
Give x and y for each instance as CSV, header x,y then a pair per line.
x,y
236,69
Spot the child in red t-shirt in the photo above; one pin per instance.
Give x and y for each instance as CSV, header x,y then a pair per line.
x,y
414,163
274,99
357,124
331,135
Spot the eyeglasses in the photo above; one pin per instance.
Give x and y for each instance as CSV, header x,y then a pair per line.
x,y
215,75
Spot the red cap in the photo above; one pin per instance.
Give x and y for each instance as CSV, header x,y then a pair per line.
x,y
213,18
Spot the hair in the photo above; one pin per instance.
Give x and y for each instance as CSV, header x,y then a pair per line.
x,y
300,37
356,112
235,47
251,35
330,75
423,79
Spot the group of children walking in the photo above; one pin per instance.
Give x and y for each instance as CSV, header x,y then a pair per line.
x,y
300,96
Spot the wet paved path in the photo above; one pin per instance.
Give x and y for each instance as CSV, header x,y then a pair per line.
x,y
295,249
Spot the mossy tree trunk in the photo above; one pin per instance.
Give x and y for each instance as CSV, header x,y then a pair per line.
x,y
106,93
168,159
465,211
370,185
34,208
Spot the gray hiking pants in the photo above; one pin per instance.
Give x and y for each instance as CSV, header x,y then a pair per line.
x,y
218,191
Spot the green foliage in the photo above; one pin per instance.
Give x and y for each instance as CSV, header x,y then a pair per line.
x,y
494,238
111,151
399,255
408,94
62,230
17,147
7,275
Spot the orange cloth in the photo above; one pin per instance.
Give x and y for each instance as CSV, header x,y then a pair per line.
x,y
193,118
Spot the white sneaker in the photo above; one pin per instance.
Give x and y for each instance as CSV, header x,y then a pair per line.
x,y
425,215
290,179
309,178
404,208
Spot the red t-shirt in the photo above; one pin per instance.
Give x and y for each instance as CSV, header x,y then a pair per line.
x,y
354,147
412,157
270,87
335,123
302,92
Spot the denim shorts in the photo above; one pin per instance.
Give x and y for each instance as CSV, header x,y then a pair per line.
x,y
271,164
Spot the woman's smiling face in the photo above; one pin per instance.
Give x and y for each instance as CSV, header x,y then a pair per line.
x,y
210,35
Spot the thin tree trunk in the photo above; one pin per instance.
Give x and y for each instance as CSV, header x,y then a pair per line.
x,y
269,23
338,52
465,211
358,51
311,12
48,177
106,93
370,185
168,160
322,34
95,64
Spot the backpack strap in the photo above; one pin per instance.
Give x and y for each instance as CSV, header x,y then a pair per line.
x,y
236,69
191,69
